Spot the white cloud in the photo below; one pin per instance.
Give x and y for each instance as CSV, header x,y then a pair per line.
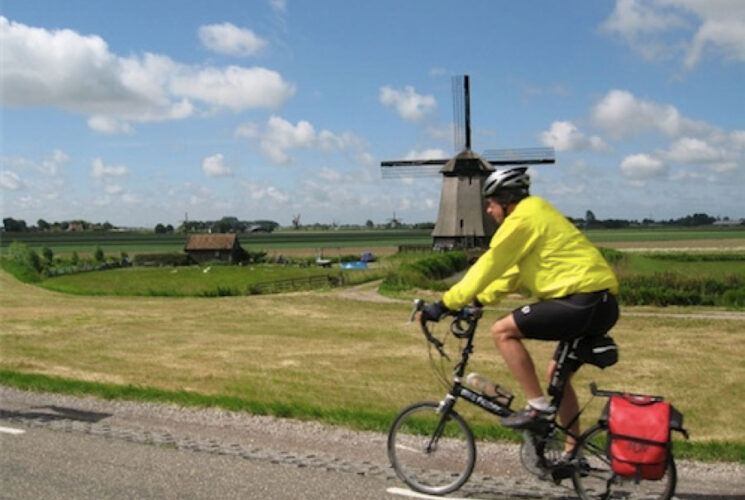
x,y
622,114
109,126
642,166
214,166
330,175
409,105
248,131
427,154
685,28
51,165
10,181
567,190
692,150
278,6
280,136
263,192
235,87
79,73
565,136
113,189
226,38
99,170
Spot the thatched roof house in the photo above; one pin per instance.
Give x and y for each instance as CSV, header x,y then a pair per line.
x,y
206,247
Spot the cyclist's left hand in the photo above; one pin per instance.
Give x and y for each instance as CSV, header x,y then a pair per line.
x,y
433,311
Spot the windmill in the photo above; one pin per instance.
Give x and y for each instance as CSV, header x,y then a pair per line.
x,y
462,221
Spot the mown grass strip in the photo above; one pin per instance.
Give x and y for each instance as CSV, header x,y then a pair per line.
x,y
712,451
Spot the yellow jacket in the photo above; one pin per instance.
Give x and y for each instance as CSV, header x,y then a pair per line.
x,y
539,248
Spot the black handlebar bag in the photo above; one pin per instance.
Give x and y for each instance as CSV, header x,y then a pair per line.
x,y
639,435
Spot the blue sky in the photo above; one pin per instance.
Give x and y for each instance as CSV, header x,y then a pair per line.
x,y
141,112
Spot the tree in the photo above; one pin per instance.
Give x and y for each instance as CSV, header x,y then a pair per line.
x,y
369,224
43,225
591,221
98,255
160,228
14,226
48,254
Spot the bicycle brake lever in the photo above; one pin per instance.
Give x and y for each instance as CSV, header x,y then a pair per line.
x,y
418,303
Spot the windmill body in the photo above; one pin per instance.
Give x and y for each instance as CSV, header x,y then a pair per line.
x,y
462,221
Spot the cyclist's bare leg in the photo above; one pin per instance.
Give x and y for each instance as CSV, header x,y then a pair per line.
x,y
507,337
568,409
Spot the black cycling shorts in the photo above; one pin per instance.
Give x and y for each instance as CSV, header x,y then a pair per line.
x,y
565,318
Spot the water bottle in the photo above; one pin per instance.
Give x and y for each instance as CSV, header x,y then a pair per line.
x,y
482,385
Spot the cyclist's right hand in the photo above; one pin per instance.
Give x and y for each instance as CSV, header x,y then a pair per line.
x,y
433,311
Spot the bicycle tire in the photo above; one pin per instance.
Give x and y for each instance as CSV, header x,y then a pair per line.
x,y
595,480
438,467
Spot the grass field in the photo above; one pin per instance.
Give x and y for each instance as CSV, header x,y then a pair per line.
x,y
646,264
190,280
280,241
337,358
293,242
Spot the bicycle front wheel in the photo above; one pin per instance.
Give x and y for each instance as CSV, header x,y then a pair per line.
x,y
431,452
594,478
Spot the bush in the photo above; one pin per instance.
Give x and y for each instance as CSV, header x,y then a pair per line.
x,y
734,298
425,272
666,289
611,255
21,272
162,259
98,255
23,263
256,257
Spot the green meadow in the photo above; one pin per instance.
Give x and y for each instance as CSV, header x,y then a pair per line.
x,y
345,355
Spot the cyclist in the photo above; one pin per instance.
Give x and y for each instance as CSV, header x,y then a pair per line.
x,y
537,248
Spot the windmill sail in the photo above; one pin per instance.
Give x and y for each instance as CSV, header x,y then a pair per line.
x,y
461,112
462,221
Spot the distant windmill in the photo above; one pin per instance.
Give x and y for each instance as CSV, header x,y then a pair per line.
x,y
462,221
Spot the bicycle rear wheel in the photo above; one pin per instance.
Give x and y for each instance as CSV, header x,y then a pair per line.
x,y
431,452
594,479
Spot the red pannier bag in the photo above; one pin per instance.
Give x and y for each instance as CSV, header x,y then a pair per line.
x,y
639,436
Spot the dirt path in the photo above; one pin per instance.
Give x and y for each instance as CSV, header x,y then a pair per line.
x,y
368,292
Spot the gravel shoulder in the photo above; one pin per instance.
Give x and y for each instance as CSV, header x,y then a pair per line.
x,y
498,475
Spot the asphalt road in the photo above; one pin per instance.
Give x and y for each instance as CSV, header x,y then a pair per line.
x,y
86,448
50,464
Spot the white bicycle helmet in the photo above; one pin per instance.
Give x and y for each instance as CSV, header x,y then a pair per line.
x,y
513,181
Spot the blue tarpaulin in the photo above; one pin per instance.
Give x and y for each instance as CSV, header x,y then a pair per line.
x,y
353,265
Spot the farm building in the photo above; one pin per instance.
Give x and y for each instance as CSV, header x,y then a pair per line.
x,y
207,247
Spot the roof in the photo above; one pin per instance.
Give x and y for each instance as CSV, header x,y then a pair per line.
x,y
221,241
467,163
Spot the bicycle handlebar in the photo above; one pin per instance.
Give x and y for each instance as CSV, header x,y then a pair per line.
x,y
463,324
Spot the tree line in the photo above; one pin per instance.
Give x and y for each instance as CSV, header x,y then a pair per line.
x,y
693,220
234,225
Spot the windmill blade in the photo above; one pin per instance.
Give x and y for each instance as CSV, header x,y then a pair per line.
x,y
411,168
410,171
520,156
461,112
414,163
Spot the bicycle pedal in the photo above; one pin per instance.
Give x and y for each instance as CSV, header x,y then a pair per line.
x,y
561,472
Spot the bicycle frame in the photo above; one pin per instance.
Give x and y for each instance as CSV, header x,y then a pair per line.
x,y
542,452
471,318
